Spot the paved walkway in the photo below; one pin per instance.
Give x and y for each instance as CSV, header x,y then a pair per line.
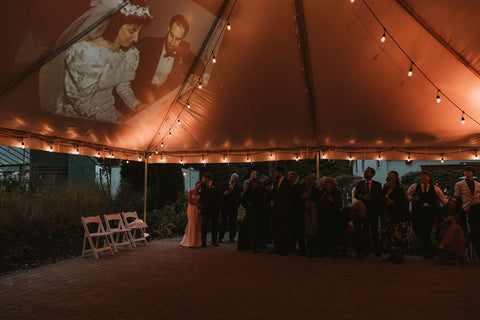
x,y
166,281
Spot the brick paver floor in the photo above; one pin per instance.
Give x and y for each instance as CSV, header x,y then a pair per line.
x,y
166,281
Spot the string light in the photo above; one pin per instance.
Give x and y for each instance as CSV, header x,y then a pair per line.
x,y
22,145
199,84
139,158
181,160
438,96
476,155
384,36
410,71
214,60
442,160
188,105
229,27
178,121
379,157
50,149
248,158
224,158
127,161
296,157
350,157
161,144
203,159
156,151
271,155
170,134
408,158
98,154
463,118
324,156
352,1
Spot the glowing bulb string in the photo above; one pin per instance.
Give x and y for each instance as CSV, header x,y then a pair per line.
x,y
413,64
187,106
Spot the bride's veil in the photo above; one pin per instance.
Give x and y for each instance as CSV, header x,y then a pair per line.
x,y
89,25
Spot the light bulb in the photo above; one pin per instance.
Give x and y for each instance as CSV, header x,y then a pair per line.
x,y
213,59
384,37
161,144
156,151
463,118
442,160
296,157
170,134
139,158
178,121
324,156
181,161
22,145
188,105
410,71
224,159
379,157
476,155
271,155
352,1
229,27
438,96
200,85
408,158
128,161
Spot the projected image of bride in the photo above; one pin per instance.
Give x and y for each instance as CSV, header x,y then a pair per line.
x,y
132,66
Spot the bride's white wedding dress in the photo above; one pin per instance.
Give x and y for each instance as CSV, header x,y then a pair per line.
x,y
193,232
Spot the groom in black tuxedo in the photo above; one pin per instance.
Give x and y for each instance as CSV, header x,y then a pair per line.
x,y
370,192
164,62
210,204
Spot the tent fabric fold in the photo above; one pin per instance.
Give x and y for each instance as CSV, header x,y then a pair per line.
x,y
255,103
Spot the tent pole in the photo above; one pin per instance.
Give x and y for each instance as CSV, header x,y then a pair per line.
x,y
145,191
317,158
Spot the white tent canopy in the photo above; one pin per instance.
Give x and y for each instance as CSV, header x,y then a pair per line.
x,y
292,78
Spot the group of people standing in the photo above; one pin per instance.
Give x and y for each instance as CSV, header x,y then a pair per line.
x,y
308,218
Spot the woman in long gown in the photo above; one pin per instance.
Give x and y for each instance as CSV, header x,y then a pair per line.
x,y
93,68
193,232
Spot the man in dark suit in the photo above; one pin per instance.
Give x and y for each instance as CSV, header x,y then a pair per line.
x,y
164,62
210,203
282,202
369,191
231,201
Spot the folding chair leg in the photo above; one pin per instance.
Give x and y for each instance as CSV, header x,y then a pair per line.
x,y
94,247
84,243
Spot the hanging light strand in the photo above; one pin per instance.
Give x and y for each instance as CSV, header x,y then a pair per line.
x,y
416,66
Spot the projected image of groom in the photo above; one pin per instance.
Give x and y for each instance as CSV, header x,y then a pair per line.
x,y
164,62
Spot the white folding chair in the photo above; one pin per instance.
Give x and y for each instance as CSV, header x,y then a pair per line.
x,y
137,225
115,225
97,236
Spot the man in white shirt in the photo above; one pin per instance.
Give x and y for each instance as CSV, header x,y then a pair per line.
x,y
469,191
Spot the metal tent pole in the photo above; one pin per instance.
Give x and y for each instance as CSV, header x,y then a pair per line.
x,y
145,191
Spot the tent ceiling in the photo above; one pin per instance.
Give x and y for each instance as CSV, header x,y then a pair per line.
x,y
254,101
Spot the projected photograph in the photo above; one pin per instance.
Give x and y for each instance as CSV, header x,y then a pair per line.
x,y
130,67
